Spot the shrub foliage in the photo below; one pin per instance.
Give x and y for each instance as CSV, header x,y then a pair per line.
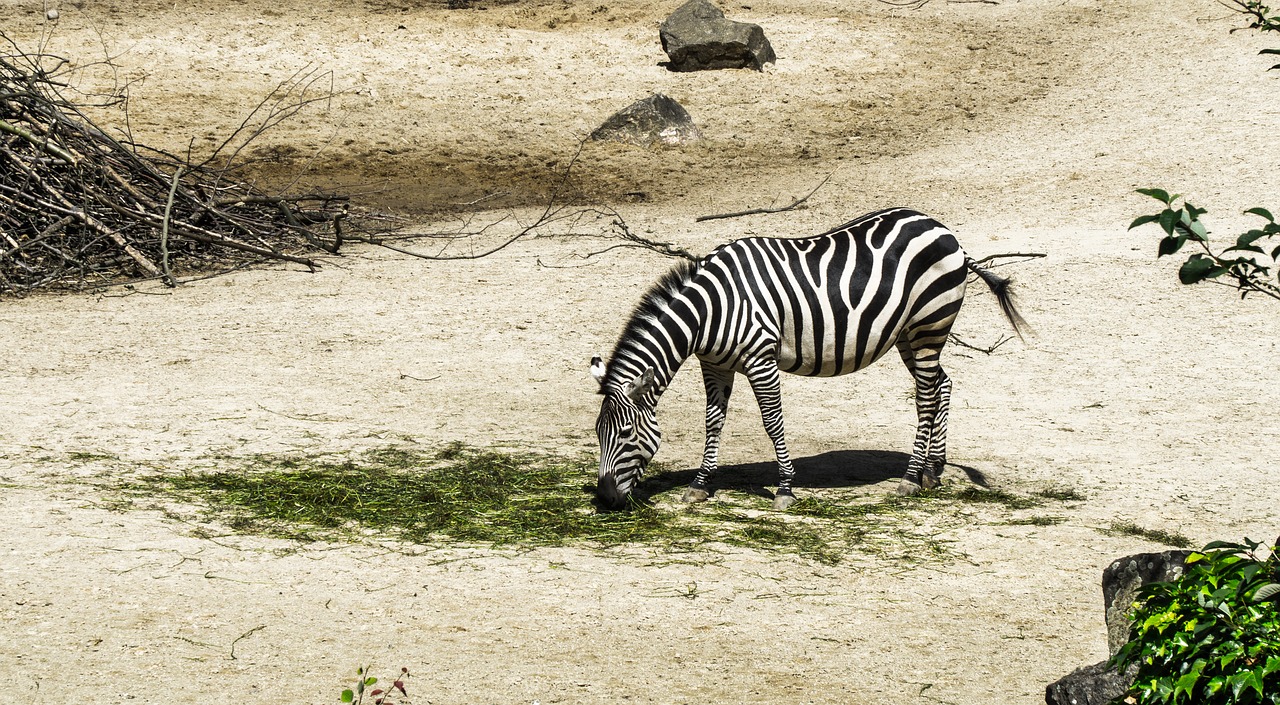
x,y
1211,637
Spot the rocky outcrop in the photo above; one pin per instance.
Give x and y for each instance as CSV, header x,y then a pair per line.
x,y
1099,684
1120,583
1092,685
697,37
654,120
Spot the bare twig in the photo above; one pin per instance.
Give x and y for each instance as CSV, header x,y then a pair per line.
x,y
1018,255
164,231
753,211
82,209
246,635
987,350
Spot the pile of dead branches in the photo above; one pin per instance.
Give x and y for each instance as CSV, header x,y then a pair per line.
x,y
81,208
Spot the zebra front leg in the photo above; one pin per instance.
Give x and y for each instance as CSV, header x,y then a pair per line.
x,y
767,388
719,385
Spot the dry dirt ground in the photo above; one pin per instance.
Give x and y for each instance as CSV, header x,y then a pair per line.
x,y
1025,125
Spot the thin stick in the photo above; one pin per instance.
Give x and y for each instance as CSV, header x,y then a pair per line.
x,y
755,211
1025,255
242,636
44,144
986,351
169,281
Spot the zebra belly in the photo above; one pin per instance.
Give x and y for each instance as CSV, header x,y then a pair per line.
x,y
834,355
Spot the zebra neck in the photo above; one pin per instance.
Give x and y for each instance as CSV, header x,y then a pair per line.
x,y
661,342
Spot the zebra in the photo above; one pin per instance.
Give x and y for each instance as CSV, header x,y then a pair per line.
x,y
818,306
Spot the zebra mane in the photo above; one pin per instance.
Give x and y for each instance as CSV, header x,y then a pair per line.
x,y
652,304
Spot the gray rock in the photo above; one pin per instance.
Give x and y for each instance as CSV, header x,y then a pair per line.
x,y
1099,684
1120,583
1091,685
697,37
654,120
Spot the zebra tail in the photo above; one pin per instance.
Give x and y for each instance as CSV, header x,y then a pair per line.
x,y
1000,287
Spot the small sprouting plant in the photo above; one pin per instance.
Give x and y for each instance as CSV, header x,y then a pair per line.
x,y
379,696
1212,637
1246,265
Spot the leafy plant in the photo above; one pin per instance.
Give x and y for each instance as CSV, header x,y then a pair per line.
x,y
1246,264
1211,637
1261,18
380,696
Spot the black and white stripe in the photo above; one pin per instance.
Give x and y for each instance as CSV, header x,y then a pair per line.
x,y
818,306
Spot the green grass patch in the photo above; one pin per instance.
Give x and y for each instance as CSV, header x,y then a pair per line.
x,y
459,494
979,495
1036,521
1061,494
1168,538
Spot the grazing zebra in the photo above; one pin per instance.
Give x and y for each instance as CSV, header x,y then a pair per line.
x,y
818,306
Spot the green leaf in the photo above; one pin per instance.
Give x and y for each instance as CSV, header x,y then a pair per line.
x,y
1219,545
370,681
1158,193
1270,51
1272,665
1198,231
1197,268
1168,219
1143,220
1170,244
1250,237
1266,592
1185,684
1263,211
348,696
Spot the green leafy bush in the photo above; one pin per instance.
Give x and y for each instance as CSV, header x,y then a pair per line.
x,y
1245,265
1261,17
1213,636
364,682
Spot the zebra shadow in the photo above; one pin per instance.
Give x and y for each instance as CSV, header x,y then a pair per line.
x,y
837,468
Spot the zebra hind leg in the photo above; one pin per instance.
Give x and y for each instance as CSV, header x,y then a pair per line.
x,y
937,458
719,385
933,394
765,384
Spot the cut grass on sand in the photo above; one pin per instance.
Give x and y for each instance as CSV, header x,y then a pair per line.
x,y
460,494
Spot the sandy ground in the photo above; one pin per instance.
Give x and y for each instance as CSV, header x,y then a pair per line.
x,y
1025,125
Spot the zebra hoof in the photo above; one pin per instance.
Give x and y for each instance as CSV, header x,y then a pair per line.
x,y
907,488
694,495
928,482
782,501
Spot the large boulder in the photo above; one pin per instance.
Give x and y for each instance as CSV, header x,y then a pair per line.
x,y
1120,583
697,37
1092,685
1099,684
654,120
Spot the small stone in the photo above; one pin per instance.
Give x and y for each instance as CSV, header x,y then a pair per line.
x,y
653,120
51,14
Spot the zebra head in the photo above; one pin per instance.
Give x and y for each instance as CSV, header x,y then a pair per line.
x,y
628,431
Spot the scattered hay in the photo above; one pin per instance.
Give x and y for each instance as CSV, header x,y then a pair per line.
x,y
461,494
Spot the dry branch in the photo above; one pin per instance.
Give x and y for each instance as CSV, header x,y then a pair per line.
x,y
753,211
80,208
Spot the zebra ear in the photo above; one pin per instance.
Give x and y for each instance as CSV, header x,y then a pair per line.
x,y
597,369
641,385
